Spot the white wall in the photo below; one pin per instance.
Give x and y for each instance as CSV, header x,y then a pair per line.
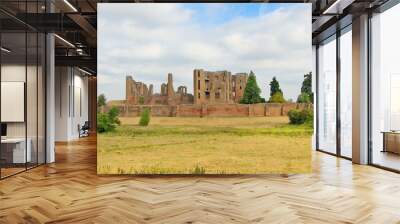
x,y
71,102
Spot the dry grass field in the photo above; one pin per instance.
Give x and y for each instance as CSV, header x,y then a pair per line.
x,y
232,145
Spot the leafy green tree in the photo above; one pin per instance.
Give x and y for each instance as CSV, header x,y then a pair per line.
x,y
274,87
307,82
252,92
101,101
304,98
277,98
144,117
306,95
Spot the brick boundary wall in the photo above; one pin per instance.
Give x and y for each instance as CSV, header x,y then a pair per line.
x,y
212,110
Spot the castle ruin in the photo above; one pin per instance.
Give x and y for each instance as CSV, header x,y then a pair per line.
x,y
209,88
218,87
139,93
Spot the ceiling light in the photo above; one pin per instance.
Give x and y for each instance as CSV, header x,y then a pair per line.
x,y
65,41
337,7
5,50
70,5
84,71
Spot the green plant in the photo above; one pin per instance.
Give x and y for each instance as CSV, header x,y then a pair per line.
x,y
274,87
304,98
277,98
103,123
107,122
252,92
101,101
297,117
144,117
306,95
113,115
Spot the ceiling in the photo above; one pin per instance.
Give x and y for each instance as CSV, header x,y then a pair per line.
x,y
75,22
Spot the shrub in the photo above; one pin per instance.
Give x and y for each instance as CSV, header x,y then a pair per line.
x,y
297,117
145,117
277,98
103,123
107,122
113,115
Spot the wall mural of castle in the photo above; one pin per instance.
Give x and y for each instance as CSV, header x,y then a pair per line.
x,y
209,88
185,93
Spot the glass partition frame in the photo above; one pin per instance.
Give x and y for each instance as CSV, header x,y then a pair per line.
x,y
337,141
31,57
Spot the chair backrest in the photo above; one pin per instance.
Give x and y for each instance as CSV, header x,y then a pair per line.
x,y
86,125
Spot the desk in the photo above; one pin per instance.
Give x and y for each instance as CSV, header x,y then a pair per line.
x,y
13,150
391,141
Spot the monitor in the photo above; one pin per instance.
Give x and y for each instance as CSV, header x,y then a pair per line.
x,y
3,129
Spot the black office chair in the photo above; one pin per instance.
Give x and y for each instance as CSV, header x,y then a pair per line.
x,y
84,130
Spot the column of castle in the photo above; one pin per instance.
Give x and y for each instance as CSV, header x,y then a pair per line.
x,y
170,90
170,87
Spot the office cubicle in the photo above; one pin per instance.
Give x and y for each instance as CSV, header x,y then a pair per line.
x,y
22,92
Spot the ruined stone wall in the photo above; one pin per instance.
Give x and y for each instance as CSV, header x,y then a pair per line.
x,y
218,87
212,110
228,110
137,90
239,82
193,110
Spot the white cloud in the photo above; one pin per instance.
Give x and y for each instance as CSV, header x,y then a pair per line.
x,y
150,40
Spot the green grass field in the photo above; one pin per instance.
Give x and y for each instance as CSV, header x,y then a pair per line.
x,y
176,145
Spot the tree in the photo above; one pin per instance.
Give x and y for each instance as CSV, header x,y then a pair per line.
x,y
304,98
274,87
277,98
306,95
101,101
276,94
306,86
252,92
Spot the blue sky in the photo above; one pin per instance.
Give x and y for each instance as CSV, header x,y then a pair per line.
x,y
218,13
148,41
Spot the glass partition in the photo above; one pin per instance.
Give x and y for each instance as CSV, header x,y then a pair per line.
x,y
346,93
385,89
327,95
13,114
22,78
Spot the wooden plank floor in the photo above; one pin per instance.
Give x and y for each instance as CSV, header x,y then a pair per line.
x,y
69,191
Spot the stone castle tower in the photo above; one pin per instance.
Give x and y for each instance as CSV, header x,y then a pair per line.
x,y
218,87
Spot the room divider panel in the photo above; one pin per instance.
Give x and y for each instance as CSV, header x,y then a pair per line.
x,y
22,77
